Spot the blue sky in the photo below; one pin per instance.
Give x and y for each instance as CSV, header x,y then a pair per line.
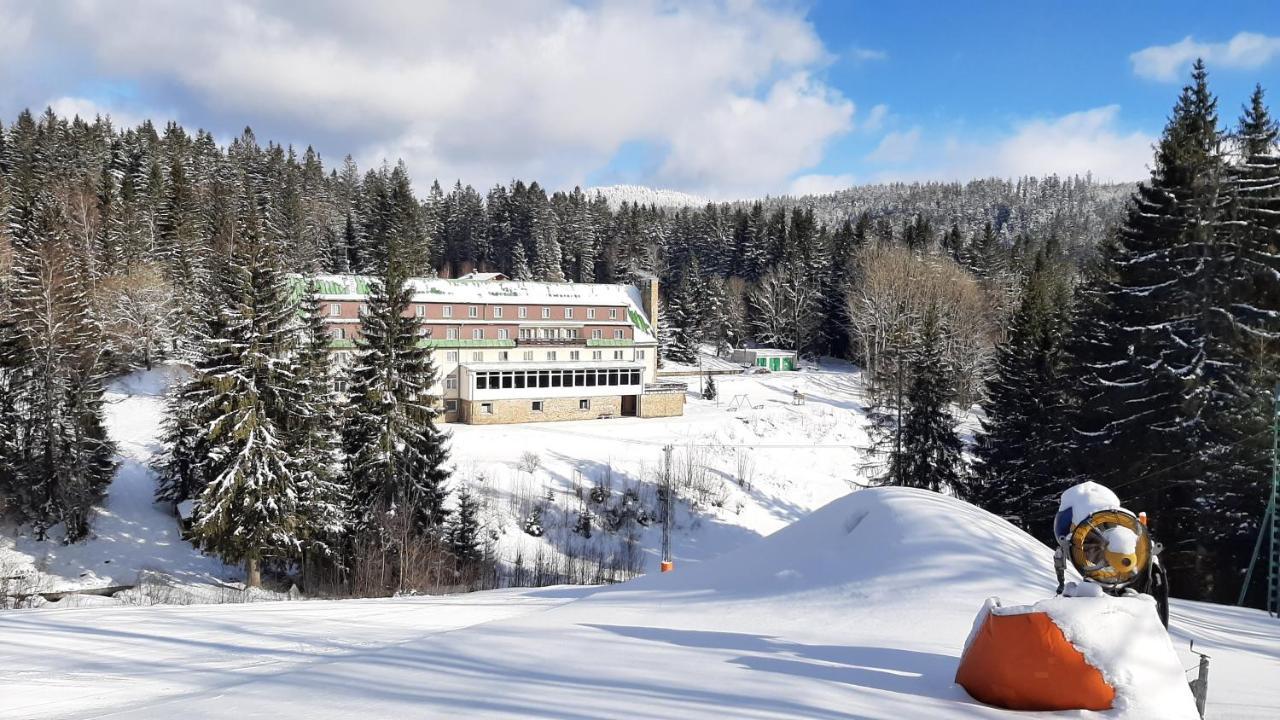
x,y
722,98
979,69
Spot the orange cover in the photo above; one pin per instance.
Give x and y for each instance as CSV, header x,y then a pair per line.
x,y
1023,662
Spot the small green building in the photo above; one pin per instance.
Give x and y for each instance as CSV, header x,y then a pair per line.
x,y
772,359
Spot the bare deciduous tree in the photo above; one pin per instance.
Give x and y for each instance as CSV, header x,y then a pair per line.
x,y
138,313
886,304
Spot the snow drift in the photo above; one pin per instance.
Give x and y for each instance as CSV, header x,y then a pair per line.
x,y
858,610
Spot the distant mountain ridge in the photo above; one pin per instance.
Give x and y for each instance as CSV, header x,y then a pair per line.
x,y
642,195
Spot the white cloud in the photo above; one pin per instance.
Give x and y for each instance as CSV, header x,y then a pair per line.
x,y
546,88
875,118
15,34
1075,144
867,54
1168,63
87,109
896,147
820,184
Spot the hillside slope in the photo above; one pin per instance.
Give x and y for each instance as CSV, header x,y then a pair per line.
x,y
857,611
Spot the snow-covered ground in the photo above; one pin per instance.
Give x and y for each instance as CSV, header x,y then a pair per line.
x,y
741,448
859,610
130,533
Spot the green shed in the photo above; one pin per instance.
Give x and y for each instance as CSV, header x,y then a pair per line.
x,y
772,359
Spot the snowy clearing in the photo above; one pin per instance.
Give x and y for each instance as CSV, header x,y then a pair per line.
x,y
130,533
860,610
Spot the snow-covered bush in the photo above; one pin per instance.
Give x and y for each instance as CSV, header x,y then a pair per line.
x,y
533,523
530,462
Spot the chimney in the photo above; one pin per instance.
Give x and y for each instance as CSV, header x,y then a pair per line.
x,y
649,300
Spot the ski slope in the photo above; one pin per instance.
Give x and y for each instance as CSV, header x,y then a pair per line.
x,y
858,610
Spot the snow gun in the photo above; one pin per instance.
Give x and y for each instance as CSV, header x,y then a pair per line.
x,y
1109,546
1052,655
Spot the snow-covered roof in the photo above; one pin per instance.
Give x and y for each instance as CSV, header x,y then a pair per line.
x,y
513,292
487,277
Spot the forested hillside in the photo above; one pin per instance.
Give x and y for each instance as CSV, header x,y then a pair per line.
x,y
1146,364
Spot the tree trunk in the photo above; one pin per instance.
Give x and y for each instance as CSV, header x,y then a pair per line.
x,y
253,573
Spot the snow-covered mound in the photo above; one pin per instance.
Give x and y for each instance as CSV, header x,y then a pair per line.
x,y
640,195
859,610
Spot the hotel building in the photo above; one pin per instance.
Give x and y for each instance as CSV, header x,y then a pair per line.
x,y
512,351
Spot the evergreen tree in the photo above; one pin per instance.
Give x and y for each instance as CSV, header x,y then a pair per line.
x,y
395,453
251,508
1151,354
314,442
709,389
1019,466
928,453
59,457
464,531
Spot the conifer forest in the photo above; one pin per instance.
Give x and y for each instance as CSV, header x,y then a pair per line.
x,y
1128,334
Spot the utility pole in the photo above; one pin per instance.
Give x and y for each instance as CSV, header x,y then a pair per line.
x,y
1270,527
667,510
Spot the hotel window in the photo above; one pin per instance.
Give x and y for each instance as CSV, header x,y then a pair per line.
x,y
477,356
596,355
477,334
551,355
486,408
537,406
595,334
584,404
451,382
522,312
528,356
473,311
452,334
451,356
617,354
335,309
639,354
497,312
504,355
451,406
635,377
420,310
546,313
482,381
363,309
617,334
591,313
503,334
568,313
339,334
574,354
613,313
448,311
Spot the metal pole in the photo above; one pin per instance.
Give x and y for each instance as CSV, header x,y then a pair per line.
x,y
1269,526
667,563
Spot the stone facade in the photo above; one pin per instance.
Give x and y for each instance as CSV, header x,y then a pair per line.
x,y
666,404
521,410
